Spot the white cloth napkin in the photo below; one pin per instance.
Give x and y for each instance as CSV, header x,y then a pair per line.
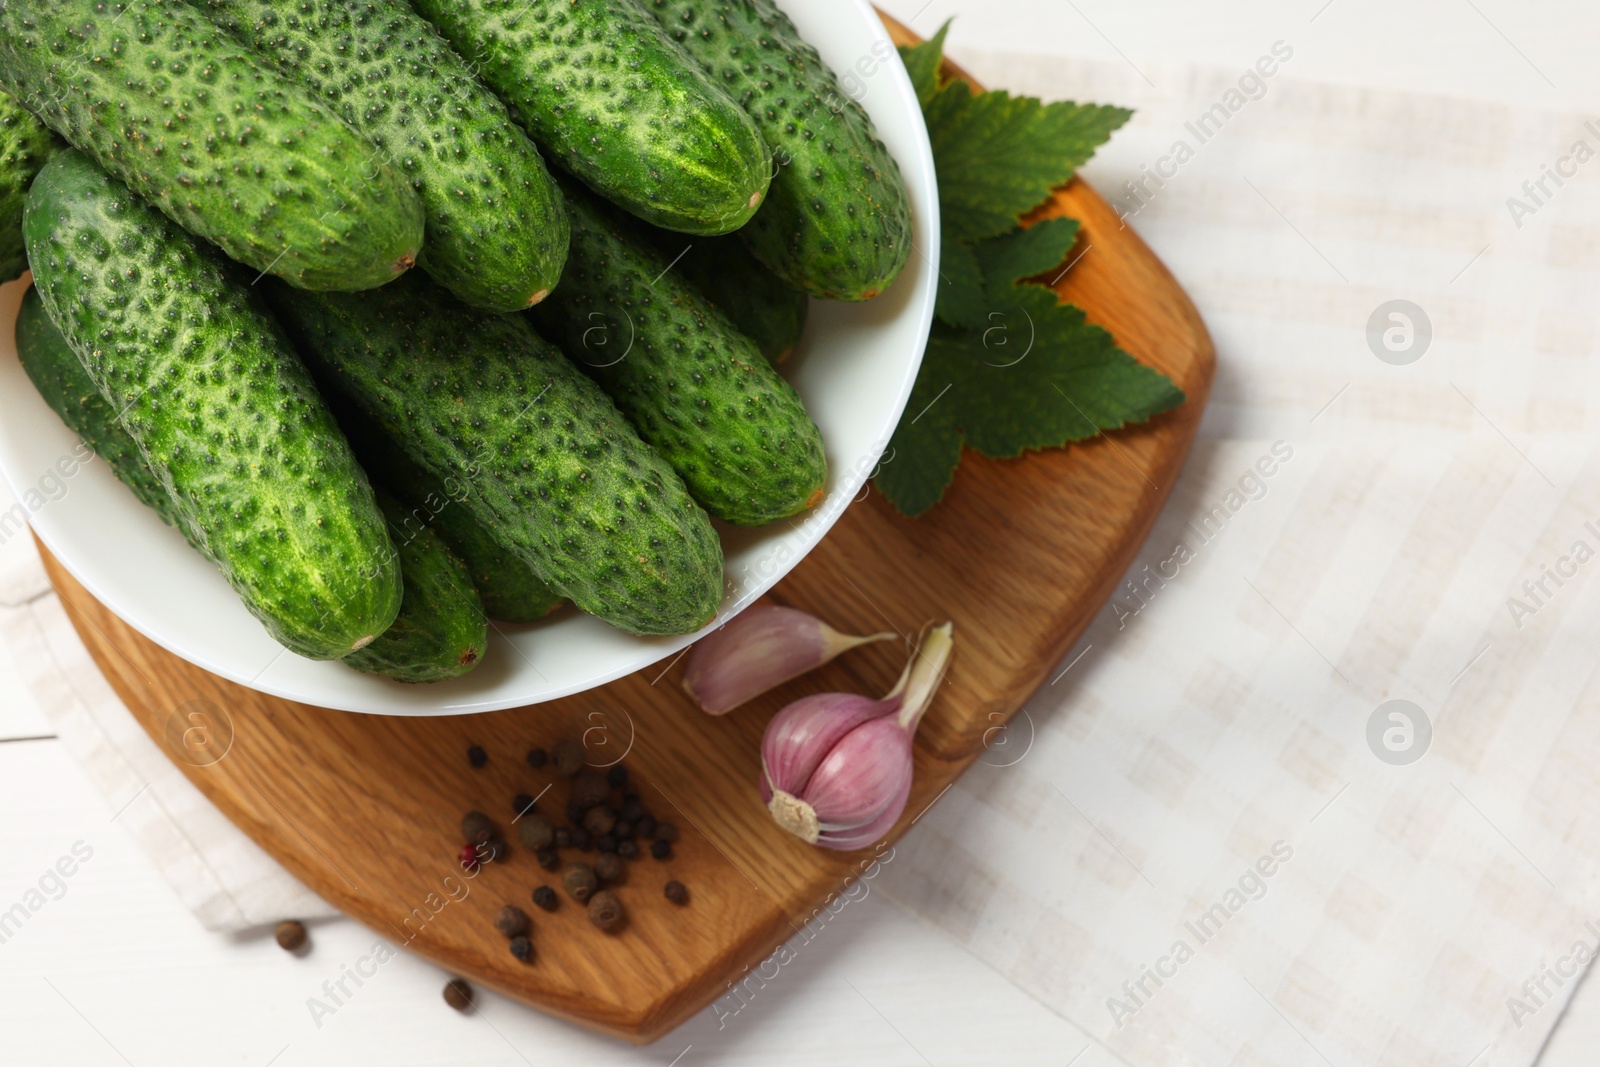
x,y
1200,771
1201,842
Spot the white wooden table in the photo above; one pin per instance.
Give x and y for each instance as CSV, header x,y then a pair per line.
x,y
115,971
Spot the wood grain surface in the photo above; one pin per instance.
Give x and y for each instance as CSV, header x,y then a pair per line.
x,y
365,809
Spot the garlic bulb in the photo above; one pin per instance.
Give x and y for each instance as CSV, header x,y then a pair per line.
x,y
836,767
760,649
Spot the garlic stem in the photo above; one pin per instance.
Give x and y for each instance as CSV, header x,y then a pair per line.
x,y
922,677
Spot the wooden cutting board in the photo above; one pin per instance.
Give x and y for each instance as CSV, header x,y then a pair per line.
x,y
365,809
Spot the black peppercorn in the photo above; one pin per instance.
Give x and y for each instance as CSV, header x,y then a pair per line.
x,y
605,843
458,995
537,758
511,921
477,756
623,830
536,832
676,893
589,788
563,837
605,911
522,804
568,757
617,776
665,831
599,820
627,850
291,935
576,812
522,948
580,881
632,810
548,858
546,898
661,849
477,828
582,839
610,869
645,826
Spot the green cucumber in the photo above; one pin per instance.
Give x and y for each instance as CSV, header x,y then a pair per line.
x,y
220,407
837,221
54,369
762,306
227,147
441,631
510,589
693,386
26,144
555,469
603,89
496,234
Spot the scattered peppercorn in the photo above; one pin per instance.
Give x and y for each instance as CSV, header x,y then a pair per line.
x,y
468,857
579,881
563,837
644,825
536,832
665,831
511,921
617,776
623,830
576,812
537,758
522,804
568,757
605,911
548,858
661,849
589,788
546,898
605,843
291,935
609,868
458,995
477,828
627,850
676,893
632,810
522,948
582,839
599,820
477,756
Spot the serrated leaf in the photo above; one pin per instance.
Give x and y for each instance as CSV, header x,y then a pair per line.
x,y
1039,377
1010,259
922,63
999,156
961,299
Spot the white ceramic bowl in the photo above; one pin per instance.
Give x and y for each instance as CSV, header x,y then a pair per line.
x,y
854,369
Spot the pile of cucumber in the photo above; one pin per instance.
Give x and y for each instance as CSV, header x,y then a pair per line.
x,y
304,277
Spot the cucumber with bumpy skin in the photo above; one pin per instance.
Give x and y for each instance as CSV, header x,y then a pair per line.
x,y
53,367
228,148
221,409
602,88
496,232
763,307
837,221
26,144
511,591
441,631
693,386
555,469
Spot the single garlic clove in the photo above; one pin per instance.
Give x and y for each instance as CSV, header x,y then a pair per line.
x,y
860,776
758,650
800,736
